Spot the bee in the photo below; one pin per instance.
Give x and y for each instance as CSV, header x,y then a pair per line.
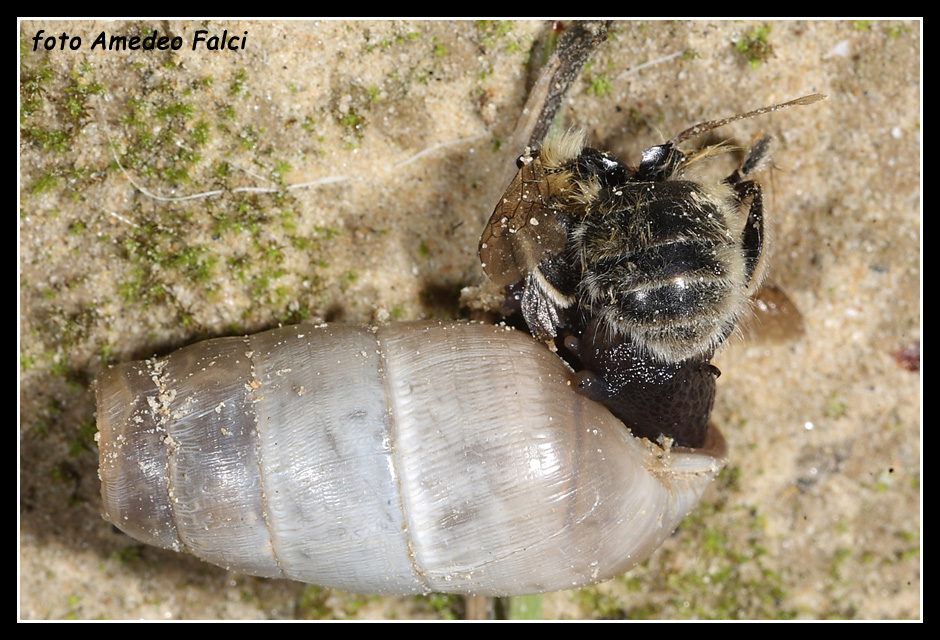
x,y
647,253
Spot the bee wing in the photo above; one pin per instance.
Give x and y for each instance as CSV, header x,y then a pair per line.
x,y
523,230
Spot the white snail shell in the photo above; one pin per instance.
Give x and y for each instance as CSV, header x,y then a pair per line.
x,y
405,459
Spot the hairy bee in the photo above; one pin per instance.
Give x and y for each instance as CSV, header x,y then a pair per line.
x,y
661,260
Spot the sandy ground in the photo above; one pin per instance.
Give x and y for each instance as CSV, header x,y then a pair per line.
x,y
818,513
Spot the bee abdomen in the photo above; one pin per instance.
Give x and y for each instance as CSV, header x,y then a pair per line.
x,y
660,265
679,299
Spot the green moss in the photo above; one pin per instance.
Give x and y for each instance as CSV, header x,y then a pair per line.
x,y
84,439
44,183
221,170
301,243
600,85
127,555
161,255
77,95
908,536
909,554
445,605
835,406
281,168
49,139
288,223
600,604
353,122
311,604
273,253
838,560
755,46
32,89
107,353
249,137
196,263
316,603
496,34
73,601
262,289
325,232
163,134
200,133
897,31
715,542
729,479
237,85
174,111
726,577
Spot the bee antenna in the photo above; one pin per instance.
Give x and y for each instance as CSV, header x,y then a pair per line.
x,y
702,127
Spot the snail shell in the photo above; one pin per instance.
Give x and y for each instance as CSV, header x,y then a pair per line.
x,y
410,458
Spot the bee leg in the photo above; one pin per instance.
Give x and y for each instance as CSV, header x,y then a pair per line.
x,y
757,156
539,311
752,238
